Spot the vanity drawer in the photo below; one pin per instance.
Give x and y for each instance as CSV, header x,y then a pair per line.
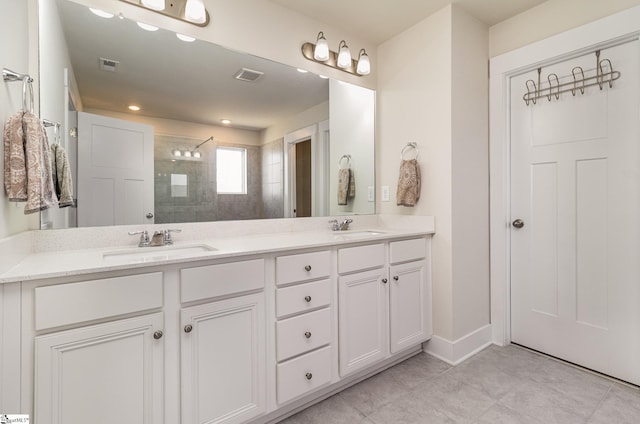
x,y
303,374
407,250
303,333
73,303
359,258
305,266
205,282
303,297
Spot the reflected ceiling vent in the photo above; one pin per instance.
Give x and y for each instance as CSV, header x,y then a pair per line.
x,y
246,74
109,65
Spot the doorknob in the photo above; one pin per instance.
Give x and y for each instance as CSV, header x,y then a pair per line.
x,y
518,223
149,215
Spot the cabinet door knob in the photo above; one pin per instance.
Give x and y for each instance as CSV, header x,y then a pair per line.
x,y
309,376
384,280
307,299
396,278
188,328
158,335
307,268
307,334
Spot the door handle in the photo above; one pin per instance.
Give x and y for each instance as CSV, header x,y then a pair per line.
x,y
518,223
149,215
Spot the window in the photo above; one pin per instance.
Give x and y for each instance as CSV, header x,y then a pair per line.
x,y
231,170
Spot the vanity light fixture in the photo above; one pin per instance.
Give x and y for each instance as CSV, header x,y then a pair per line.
x,y
341,59
191,11
154,4
101,13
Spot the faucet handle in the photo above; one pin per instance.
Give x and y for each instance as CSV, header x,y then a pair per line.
x,y
167,235
144,237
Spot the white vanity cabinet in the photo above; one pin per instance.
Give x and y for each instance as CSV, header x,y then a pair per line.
x,y
222,343
304,326
384,305
112,369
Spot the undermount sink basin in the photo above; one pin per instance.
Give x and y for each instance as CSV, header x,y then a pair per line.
x,y
151,254
358,233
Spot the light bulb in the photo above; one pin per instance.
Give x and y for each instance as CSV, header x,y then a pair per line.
x,y
177,153
196,154
187,154
321,51
344,57
154,4
195,12
364,65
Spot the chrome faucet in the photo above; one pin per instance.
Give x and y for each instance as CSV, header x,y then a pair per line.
x,y
159,238
340,226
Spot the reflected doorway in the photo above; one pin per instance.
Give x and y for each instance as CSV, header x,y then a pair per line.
x,y
303,178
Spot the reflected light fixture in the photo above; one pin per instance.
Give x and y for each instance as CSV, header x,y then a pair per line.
x,y
341,59
191,11
186,38
321,51
225,121
147,27
101,13
364,66
154,4
134,108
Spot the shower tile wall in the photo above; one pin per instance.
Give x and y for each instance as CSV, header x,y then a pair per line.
x,y
272,179
198,201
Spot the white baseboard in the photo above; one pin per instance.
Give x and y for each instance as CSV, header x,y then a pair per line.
x,y
458,351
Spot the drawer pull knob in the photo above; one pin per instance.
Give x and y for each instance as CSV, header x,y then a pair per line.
x,y
307,268
157,335
307,334
309,376
307,299
188,328
396,278
384,280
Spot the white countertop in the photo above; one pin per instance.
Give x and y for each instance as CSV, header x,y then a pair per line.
x,y
52,264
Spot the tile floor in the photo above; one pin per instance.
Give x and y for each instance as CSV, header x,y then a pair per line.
x,y
499,385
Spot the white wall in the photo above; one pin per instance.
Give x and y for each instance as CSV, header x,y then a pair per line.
x,y
433,90
311,116
15,42
414,104
550,18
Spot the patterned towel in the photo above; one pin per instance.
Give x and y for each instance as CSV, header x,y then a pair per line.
x,y
346,185
409,184
15,169
61,176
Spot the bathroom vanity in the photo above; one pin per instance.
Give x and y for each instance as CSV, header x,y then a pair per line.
x,y
250,329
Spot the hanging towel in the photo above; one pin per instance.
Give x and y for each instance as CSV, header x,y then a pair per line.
x,y
28,174
61,175
408,192
15,170
343,185
352,185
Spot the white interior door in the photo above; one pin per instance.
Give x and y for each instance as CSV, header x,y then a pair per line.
x,y
575,183
115,171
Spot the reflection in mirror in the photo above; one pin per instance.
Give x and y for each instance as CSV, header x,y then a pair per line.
x,y
99,67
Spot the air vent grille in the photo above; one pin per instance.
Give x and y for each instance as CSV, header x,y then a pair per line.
x,y
246,74
109,65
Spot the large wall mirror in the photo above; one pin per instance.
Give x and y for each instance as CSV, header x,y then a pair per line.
x,y
298,144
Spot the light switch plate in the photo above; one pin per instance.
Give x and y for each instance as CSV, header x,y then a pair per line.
x,y
385,193
371,193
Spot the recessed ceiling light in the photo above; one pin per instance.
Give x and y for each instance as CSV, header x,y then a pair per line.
x,y
134,108
185,38
101,13
323,76
302,71
225,121
147,27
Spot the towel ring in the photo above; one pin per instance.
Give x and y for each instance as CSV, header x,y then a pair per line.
x,y
348,158
410,146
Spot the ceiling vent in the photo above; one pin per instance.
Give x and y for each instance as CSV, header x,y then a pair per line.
x,y
108,65
246,74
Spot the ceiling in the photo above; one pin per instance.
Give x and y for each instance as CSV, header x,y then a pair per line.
x,y
379,20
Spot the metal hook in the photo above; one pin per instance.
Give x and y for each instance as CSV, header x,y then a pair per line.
x,y
555,76
602,73
575,81
527,97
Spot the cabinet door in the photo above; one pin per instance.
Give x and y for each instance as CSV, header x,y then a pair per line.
x,y
101,373
223,352
409,305
362,317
